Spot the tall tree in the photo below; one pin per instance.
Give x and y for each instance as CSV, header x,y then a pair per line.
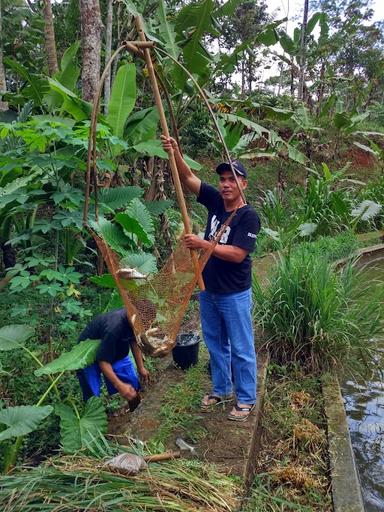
x,y
303,45
243,27
108,52
3,85
91,26
356,48
50,43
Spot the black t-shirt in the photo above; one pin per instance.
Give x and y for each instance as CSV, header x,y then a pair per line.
x,y
115,333
224,276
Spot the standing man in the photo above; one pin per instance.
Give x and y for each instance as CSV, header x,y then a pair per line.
x,y
225,305
112,359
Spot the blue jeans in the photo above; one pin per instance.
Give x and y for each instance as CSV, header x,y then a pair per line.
x,y
226,322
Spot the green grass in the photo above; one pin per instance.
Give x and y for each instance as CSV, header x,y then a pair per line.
x,y
316,316
179,411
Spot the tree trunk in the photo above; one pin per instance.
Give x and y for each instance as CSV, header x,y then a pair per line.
x,y
9,255
91,46
50,44
303,45
242,77
321,88
108,52
3,84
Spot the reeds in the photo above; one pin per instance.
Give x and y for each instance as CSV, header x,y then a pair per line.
x,y
317,316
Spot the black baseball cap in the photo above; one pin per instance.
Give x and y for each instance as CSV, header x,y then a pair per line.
x,y
238,167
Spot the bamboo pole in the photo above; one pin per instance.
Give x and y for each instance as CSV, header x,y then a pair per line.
x,y
172,161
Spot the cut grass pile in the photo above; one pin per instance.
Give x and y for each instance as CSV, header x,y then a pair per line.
x,y
80,483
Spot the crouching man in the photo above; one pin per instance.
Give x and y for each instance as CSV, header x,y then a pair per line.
x,y
112,358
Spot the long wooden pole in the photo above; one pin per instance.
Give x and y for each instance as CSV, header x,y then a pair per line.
x,y
172,161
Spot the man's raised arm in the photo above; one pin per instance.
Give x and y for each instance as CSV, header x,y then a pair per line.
x,y
187,178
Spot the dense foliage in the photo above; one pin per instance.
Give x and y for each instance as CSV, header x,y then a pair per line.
x,y
311,135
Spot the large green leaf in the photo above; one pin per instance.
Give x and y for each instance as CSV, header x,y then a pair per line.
x,y
68,75
138,211
81,355
158,207
105,281
123,98
142,125
312,22
287,43
79,432
144,262
133,226
119,197
268,36
228,8
167,31
14,336
296,155
22,419
260,130
72,104
277,113
341,120
196,20
151,148
112,234
7,193
324,29
36,85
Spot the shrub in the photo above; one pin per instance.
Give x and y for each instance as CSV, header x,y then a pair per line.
x,y
331,248
374,192
314,315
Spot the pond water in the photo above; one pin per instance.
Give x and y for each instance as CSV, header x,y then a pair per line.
x,y
364,404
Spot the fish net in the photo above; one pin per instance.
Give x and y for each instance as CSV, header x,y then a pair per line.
x,y
156,304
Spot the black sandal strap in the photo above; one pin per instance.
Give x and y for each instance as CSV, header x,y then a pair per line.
x,y
247,408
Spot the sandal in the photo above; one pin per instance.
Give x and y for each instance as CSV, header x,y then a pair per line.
x,y
210,401
246,409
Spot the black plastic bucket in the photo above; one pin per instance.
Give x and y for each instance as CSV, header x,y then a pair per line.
x,y
186,352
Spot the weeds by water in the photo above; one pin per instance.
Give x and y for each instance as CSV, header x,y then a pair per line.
x,y
293,465
317,316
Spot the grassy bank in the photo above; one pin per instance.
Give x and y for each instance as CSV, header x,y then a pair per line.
x,y
293,461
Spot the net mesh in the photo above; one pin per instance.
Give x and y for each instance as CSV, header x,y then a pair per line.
x,y
155,304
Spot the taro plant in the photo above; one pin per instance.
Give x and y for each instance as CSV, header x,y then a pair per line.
x,y
17,421
323,203
316,316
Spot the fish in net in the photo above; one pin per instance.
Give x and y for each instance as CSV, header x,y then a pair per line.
x,y
156,304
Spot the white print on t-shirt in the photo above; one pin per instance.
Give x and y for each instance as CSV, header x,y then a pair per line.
x,y
252,235
215,223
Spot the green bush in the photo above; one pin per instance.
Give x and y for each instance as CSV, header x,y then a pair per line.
x,y
314,315
373,191
331,248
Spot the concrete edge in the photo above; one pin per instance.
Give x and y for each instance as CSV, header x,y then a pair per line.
x,y
250,468
362,254
345,482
